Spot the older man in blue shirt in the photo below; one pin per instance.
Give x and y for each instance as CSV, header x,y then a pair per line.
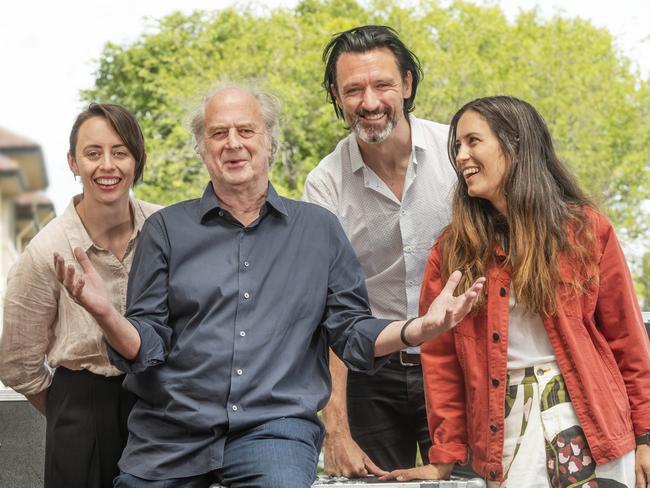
x,y
233,301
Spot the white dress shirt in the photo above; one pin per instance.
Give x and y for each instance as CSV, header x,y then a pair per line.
x,y
392,239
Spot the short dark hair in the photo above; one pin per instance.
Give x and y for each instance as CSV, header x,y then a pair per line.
x,y
123,122
367,38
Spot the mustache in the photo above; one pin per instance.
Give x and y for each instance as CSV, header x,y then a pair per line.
x,y
368,113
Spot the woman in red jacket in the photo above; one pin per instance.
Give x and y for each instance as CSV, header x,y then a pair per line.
x,y
548,381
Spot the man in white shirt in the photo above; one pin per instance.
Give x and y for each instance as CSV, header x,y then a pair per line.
x,y
389,182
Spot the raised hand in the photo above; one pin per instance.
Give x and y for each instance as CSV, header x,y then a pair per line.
x,y
88,288
447,310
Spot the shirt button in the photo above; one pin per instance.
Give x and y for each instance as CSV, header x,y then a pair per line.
x,y
247,295
235,408
246,264
220,213
242,333
496,337
502,292
495,382
540,372
240,372
494,427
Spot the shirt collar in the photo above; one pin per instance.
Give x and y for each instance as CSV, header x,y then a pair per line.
x,y
77,233
418,143
210,201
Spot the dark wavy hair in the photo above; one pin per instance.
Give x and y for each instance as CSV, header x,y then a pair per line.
x,y
367,38
124,123
545,218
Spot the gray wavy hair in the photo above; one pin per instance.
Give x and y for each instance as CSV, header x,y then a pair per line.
x,y
269,103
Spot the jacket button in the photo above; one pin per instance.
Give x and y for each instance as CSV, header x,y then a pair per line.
x,y
494,427
493,475
496,337
495,382
502,292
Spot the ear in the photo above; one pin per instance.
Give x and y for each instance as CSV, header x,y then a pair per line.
x,y
335,92
72,164
407,85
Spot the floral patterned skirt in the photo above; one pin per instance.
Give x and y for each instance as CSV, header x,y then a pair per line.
x,y
544,444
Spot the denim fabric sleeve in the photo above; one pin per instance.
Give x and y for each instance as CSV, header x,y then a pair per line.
x,y
147,307
352,330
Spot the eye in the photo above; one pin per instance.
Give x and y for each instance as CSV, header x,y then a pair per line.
x,y
92,154
219,135
246,132
473,140
121,154
352,91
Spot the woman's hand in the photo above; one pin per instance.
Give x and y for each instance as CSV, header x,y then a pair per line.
x,y
426,472
642,468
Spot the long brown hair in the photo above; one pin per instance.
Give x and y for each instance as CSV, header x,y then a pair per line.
x,y
545,211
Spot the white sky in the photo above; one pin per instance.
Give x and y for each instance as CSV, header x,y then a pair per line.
x,y
49,49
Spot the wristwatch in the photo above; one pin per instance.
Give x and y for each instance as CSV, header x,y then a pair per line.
x,y
643,439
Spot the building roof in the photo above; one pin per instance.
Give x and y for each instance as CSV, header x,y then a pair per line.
x,y
8,165
9,139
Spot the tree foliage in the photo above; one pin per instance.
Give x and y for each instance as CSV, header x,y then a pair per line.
x,y
595,102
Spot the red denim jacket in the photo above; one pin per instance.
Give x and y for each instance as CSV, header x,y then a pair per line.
x,y
599,342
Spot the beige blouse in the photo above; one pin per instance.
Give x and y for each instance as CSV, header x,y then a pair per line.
x,y
42,324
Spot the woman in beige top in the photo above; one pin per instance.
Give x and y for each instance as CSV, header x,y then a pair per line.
x,y
83,401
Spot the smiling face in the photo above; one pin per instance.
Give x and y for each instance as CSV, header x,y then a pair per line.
x,y
371,92
236,150
480,159
103,162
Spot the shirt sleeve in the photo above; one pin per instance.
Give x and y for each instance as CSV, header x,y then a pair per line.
x,y
444,383
147,306
351,328
316,190
30,310
619,318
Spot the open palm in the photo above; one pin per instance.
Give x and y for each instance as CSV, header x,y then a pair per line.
x,y
86,288
448,310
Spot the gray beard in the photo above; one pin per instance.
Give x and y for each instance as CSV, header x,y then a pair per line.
x,y
373,137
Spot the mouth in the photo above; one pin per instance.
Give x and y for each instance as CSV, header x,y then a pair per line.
x,y
372,116
471,171
106,183
235,162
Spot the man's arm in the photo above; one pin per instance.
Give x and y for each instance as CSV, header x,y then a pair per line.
x,y
342,455
89,290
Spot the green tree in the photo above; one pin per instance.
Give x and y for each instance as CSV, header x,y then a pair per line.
x,y
597,106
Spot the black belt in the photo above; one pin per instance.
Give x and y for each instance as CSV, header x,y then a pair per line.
x,y
406,358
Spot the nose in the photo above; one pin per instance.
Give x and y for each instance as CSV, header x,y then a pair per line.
x,y
462,155
370,99
107,162
233,141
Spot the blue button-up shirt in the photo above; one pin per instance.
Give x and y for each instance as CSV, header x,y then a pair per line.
x,y
235,323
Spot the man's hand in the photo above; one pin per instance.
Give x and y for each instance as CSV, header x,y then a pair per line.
x,y
344,457
642,468
87,289
447,310
426,472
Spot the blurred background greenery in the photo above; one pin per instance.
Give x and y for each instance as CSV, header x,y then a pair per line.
x,y
596,104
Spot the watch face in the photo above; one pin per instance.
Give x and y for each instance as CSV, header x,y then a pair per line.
x,y
643,439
